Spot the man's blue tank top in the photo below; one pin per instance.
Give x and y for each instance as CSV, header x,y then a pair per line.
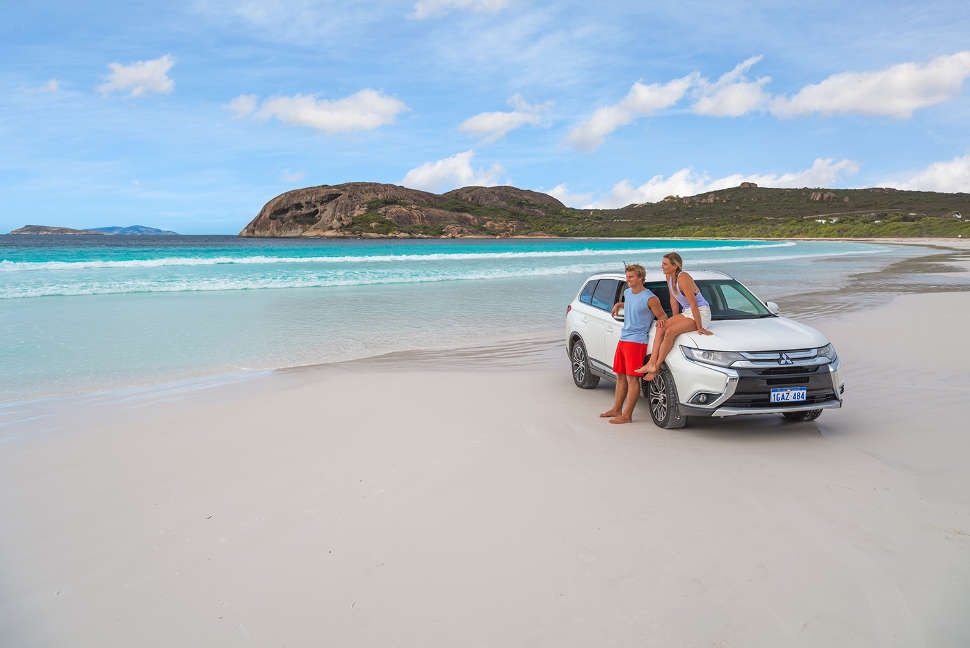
x,y
637,316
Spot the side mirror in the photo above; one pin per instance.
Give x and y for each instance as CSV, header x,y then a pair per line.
x,y
772,307
619,315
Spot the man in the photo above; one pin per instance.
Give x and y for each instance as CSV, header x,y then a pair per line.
x,y
640,307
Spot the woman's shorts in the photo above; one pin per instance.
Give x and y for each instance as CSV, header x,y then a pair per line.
x,y
705,315
628,356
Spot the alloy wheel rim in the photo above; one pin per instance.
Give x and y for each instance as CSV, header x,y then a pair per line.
x,y
579,364
658,398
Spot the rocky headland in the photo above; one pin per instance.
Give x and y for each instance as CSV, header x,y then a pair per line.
x,y
370,209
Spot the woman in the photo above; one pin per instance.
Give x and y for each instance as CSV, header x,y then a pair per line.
x,y
691,312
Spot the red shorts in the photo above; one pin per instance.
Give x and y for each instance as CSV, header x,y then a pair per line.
x,y
629,356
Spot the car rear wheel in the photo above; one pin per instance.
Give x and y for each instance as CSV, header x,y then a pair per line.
x,y
796,417
582,375
662,395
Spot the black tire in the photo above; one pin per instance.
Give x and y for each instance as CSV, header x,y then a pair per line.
x,y
798,417
662,399
582,375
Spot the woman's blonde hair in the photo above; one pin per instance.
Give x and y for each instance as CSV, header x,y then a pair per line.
x,y
676,259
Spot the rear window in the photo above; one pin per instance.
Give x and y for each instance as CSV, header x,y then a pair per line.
x,y
604,296
587,295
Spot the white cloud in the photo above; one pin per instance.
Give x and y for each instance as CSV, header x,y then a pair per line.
x,y
951,176
141,77
431,8
686,182
733,94
364,110
451,173
561,193
289,177
51,87
640,101
492,126
894,92
243,105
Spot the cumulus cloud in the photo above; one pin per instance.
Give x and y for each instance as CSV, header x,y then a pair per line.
x,y
492,126
561,193
640,101
894,92
364,110
451,173
431,8
140,78
952,176
243,105
686,182
733,94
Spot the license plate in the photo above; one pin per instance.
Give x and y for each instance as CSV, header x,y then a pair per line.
x,y
788,394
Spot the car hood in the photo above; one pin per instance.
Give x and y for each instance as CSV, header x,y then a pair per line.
x,y
766,334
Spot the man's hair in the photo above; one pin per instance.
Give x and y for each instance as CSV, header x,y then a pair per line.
x,y
636,268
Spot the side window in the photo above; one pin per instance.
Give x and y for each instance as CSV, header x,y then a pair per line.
x,y
587,295
663,294
605,294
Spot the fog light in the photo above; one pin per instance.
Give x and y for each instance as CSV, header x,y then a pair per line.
x,y
703,398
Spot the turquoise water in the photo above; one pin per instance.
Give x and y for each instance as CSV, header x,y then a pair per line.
x,y
86,313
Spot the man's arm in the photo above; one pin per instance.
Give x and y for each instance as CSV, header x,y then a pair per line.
x,y
654,304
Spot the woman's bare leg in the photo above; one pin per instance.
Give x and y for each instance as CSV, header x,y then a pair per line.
x,y
675,326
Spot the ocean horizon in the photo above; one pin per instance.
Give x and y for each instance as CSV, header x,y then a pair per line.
x,y
82,314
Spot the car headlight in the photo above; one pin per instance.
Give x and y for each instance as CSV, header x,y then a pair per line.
x,y
719,358
828,352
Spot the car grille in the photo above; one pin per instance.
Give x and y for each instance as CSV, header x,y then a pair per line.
x,y
754,385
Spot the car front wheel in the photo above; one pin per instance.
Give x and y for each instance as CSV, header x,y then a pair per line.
x,y
582,375
662,397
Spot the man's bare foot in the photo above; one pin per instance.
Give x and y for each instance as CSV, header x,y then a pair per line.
x,y
621,419
609,414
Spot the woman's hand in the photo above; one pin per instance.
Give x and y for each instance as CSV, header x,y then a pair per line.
x,y
704,331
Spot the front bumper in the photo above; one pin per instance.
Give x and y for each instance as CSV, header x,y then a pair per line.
x,y
732,391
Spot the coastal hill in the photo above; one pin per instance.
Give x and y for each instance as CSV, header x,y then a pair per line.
x,y
132,230
373,210
380,210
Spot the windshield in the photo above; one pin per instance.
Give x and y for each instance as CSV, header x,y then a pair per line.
x,y
729,300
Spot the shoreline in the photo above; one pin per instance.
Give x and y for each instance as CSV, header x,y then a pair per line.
x,y
807,306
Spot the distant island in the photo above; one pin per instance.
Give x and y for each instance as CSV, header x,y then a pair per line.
x,y
374,210
132,230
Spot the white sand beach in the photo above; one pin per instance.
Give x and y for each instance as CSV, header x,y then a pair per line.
x,y
456,499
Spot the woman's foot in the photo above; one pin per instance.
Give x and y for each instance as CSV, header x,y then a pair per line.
x,y
645,369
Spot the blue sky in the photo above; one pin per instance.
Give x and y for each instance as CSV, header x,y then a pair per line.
x,y
190,115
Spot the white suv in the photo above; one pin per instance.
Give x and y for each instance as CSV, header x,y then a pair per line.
x,y
755,363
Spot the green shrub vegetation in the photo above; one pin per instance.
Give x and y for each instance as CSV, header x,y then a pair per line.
x,y
740,212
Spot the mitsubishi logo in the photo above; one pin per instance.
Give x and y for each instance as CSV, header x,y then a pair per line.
x,y
785,359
